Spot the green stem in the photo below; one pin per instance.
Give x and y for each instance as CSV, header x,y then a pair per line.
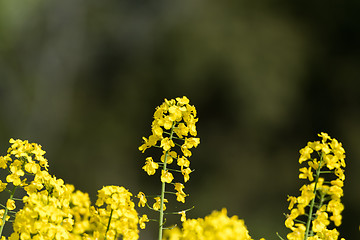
x,y
313,201
108,226
161,216
279,236
6,211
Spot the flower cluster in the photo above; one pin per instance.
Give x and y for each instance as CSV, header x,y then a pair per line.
x,y
215,226
45,215
54,210
80,206
22,158
175,116
173,131
319,203
115,215
51,209
25,166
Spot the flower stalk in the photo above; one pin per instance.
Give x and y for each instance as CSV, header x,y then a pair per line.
x,y
174,120
161,215
310,218
319,201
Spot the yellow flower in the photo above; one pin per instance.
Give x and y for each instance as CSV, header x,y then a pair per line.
x,y
175,113
191,142
143,220
331,161
170,156
340,174
179,187
292,201
336,192
186,151
336,218
174,120
142,199
182,101
150,166
181,130
166,144
321,195
215,226
115,206
166,176
149,142
298,232
306,173
321,221
324,136
2,186
183,162
307,194
305,154
186,172
4,160
180,195
156,205
183,216
10,204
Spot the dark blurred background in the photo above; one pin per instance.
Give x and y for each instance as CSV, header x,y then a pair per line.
x,y
82,78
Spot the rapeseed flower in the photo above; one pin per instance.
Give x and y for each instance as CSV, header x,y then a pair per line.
x,y
174,131
166,176
216,226
115,215
150,166
142,199
23,162
10,204
144,219
157,204
53,209
319,202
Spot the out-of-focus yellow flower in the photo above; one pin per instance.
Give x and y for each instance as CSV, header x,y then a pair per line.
x,y
183,216
2,186
215,226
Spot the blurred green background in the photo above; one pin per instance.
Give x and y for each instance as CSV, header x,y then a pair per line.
x,y
82,78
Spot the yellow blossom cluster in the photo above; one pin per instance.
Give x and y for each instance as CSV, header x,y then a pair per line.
x,y
173,131
115,215
43,216
54,210
319,202
80,206
22,158
50,209
216,226
174,119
